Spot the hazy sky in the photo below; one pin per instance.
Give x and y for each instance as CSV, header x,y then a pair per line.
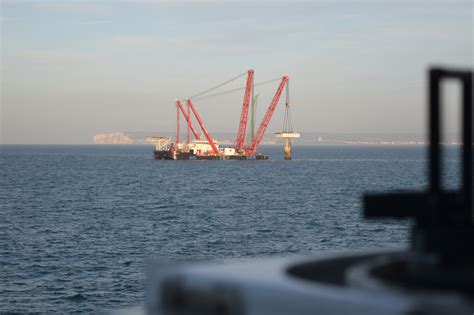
x,y
73,69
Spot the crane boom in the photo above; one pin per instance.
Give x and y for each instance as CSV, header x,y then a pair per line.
x,y
188,119
266,119
239,143
189,124
203,128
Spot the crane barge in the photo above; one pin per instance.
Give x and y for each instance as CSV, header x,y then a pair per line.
x,y
204,146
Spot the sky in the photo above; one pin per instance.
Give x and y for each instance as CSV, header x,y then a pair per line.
x,y
71,69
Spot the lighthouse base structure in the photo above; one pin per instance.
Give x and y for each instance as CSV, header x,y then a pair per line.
x,y
287,136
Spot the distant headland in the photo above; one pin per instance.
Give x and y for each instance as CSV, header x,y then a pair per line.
x,y
112,138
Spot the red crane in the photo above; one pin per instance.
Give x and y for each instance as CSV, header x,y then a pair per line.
x,y
240,146
188,120
266,119
203,128
239,143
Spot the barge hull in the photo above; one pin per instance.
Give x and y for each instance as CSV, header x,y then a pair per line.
x,y
171,155
163,155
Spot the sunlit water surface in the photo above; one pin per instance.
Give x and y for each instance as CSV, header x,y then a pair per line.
x,y
78,223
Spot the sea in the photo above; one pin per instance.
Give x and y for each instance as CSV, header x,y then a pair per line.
x,y
80,223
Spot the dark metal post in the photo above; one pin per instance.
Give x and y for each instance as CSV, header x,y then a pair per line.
x,y
467,148
434,128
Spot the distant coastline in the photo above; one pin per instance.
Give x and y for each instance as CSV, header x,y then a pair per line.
x,y
307,138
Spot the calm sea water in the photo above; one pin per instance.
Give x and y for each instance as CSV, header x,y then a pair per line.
x,y
79,222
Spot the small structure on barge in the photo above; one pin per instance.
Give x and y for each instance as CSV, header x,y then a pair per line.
x,y
205,147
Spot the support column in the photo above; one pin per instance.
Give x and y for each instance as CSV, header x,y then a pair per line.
x,y
287,136
287,149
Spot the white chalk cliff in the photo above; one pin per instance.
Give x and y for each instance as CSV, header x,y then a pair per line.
x,y
112,138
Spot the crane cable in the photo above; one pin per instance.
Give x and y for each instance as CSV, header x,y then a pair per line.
x,y
233,90
287,123
217,86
